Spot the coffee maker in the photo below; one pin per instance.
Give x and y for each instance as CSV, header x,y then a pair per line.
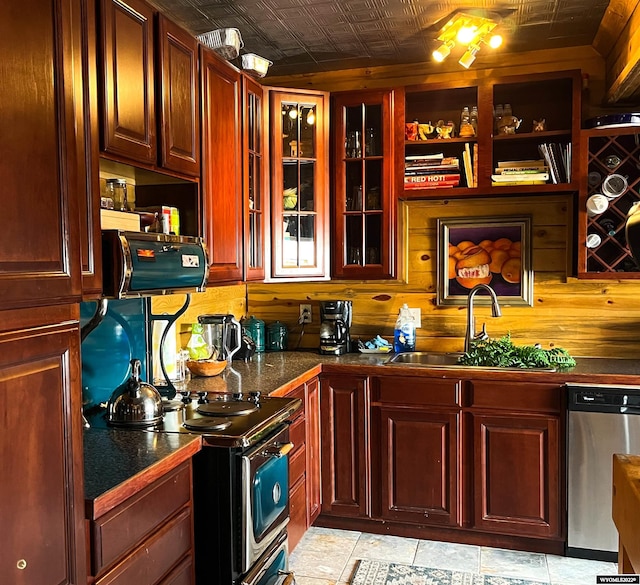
x,y
335,323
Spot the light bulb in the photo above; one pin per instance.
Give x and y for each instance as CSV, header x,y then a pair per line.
x,y
311,117
293,113
469,57
495,41
442,52
466,34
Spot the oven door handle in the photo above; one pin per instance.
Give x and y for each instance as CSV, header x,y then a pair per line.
x,y
277,450
289,578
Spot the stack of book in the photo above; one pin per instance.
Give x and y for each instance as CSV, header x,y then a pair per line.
x,y
432,171
520,172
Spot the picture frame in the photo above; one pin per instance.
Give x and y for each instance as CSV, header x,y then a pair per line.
x,y
490,250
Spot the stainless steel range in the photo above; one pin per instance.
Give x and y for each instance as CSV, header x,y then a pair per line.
x,y
240,484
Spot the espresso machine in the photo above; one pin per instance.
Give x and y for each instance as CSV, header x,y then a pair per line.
x,y
335,323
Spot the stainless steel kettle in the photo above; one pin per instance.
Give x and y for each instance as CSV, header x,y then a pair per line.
x,y
135,403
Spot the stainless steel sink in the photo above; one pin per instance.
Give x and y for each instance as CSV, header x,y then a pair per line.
x,y
427,359
424,358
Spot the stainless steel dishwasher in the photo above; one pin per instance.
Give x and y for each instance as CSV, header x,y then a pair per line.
x,y
603,420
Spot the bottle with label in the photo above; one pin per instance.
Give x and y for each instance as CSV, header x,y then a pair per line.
x,y
404,335
464,116
197,346
609,226
473,119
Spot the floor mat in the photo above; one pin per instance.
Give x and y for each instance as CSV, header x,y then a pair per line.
x,y
377,573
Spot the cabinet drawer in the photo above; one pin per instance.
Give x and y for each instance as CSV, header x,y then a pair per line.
x,y
516,396
181,575
124,527
297,464
153,559
410,390
297,432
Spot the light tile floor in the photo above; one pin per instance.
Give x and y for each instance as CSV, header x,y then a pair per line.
x,y
328,557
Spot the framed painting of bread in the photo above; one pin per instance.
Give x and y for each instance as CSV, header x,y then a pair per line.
x,y
495,251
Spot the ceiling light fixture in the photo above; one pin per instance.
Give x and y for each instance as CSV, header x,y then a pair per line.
x,y
470,31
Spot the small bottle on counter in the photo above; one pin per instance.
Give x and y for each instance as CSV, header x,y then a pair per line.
x,y
404,334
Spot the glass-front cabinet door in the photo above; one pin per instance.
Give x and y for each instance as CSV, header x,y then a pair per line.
x,y
299,188
363,162
253,179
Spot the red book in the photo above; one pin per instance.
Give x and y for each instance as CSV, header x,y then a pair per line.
x,y
426,179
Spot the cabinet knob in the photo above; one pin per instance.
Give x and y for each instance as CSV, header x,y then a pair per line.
x,y
21,564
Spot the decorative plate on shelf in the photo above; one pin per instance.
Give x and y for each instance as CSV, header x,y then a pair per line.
x,y
614,121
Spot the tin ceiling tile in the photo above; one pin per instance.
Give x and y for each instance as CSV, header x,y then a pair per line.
x,y
312,35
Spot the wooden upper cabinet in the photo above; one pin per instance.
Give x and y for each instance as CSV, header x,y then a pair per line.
x,y
178,113
128,80
299,184
254,171
89,156
42,488
222,198
364,142
40,255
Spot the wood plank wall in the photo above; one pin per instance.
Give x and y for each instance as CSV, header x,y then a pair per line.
x,y
586,318
215,300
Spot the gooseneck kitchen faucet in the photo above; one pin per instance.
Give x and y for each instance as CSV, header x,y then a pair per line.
x,y
471,334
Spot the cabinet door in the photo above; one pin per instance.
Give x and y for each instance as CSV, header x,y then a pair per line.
x,y
221,167
253,177
363,147
42,489
419,465
312,414
299,193
87,120
346,476
40,258
179,120
516,467
128,107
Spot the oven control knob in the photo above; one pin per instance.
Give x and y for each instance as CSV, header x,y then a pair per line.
x,y
255,397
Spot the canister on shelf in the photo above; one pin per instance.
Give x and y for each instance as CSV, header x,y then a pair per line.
x,y
117,191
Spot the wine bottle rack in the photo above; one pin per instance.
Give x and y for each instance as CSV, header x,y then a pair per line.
x,y
608,151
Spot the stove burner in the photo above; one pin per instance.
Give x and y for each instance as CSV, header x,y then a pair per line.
x,y
171,405
227,408
207,424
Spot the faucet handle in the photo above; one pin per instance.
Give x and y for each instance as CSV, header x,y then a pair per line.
x,y
483,335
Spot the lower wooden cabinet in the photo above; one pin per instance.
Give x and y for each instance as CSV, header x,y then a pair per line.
x,y
41,487
476,457
148,538
304,462
416,430
517,458
346,476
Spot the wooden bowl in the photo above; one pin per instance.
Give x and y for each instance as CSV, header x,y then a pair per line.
x,y
206,367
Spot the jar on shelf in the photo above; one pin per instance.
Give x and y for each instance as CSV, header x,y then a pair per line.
x,y
117,191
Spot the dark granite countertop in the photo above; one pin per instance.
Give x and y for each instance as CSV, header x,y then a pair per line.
x,y
118,462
